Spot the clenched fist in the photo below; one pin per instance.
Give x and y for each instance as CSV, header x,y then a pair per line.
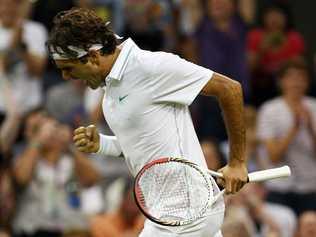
x,y
87,139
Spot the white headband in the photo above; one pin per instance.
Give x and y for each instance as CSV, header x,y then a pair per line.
x,y
61,55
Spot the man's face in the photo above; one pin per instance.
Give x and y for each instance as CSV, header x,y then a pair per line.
x,y
88,72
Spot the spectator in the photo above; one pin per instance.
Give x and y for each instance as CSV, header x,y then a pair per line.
x,y
260,217
9,124
269,46
221,40
287,132
22,45
190,13
142,24
10,119
48,171
219,43
307,224
126,221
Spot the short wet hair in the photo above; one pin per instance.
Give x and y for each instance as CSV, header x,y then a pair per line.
x,y
81,28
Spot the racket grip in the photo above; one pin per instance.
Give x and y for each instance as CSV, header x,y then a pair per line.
x,y
263,175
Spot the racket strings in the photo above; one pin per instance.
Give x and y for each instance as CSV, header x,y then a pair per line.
x,y
174,192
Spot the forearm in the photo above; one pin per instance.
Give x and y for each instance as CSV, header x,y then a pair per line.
x,y
109,146
229,94
23,169
85,171
231,104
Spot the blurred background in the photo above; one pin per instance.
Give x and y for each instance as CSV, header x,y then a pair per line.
x,y
47,188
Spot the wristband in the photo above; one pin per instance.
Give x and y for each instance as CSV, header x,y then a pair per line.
x,y
109,146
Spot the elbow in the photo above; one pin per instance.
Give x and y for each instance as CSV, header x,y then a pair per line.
x,y
235,86
231,91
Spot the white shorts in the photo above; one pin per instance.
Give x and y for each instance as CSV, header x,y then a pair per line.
x,y
208,226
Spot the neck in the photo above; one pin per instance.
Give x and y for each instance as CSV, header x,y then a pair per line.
x,y
111,59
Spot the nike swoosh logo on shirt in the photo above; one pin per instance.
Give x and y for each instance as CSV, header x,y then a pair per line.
x,y
122,98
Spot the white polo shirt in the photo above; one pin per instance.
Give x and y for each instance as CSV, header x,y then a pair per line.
x,y
146,101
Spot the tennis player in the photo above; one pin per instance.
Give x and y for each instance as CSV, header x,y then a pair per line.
x,y
146,101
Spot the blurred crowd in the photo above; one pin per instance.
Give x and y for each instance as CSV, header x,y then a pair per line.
x,y
48,188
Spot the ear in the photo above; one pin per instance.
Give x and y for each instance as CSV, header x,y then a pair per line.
x,y
94,57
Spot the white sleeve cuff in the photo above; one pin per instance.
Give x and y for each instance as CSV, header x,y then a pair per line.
x,y
109,146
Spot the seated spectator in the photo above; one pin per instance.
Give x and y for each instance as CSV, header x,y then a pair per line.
x,y
49,172
287,132
22,46
269,46
307,224
126,221
260,217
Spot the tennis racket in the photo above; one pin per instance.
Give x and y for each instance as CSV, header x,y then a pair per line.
x,y
175,192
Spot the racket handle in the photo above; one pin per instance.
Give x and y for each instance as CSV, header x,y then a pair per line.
x,y
263,175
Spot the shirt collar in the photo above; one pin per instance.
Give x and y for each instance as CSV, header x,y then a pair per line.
x,y
121,61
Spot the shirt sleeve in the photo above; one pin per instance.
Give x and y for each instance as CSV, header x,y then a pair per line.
x,y
266,126
109,146
176,80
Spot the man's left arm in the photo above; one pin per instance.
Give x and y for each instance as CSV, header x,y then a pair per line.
x,y
230,97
